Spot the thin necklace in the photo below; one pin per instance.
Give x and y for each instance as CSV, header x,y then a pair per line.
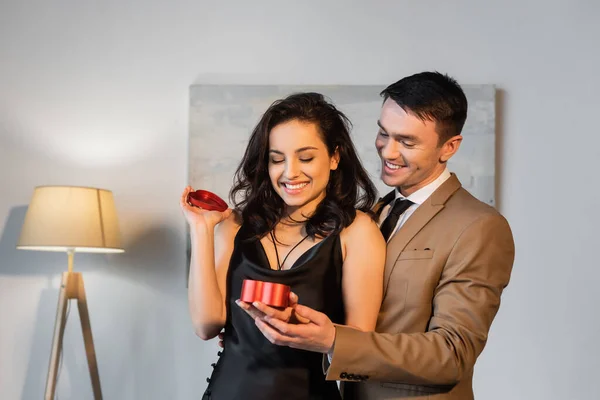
x,y
280,265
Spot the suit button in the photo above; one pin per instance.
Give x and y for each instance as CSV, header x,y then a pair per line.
x,y
208,380
219,353
343,375
213,365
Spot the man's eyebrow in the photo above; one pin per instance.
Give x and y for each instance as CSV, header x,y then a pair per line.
x,y
397,135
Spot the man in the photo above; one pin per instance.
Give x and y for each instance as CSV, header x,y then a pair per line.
x,y
449,257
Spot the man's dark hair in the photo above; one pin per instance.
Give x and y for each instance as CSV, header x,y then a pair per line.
x,y
434,97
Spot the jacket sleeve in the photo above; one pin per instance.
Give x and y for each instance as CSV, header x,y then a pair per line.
x,y
465,303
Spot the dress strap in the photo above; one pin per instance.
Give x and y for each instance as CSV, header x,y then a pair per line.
x,y
280,265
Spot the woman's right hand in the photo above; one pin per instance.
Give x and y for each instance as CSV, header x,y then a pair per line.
x,y
197,217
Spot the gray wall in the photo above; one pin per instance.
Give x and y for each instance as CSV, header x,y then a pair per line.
x,y
96,93
221,117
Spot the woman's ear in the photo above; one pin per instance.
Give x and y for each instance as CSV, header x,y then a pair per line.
x,y
335,160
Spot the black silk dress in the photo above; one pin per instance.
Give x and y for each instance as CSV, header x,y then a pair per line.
x,y
250,367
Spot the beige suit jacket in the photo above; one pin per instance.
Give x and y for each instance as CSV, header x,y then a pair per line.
x,y
445,271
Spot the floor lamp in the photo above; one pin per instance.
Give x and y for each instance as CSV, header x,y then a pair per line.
x,y
71,219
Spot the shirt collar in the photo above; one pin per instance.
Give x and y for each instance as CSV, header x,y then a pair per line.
x,y
423,194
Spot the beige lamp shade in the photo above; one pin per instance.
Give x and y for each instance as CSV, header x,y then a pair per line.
x,y
68,218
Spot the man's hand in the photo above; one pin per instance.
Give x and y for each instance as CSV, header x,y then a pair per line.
x,y
316,334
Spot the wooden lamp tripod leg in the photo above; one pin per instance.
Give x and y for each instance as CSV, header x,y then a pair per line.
x,y
72,288
57,340
88,340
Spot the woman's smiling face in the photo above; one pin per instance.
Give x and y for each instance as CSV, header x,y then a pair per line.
x,y
299,165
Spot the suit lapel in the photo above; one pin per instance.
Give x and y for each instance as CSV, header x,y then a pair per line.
x,y
426,211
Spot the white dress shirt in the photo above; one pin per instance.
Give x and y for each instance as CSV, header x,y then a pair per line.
x,y
417,198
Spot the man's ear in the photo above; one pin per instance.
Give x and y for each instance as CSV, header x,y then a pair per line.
x,y
450,147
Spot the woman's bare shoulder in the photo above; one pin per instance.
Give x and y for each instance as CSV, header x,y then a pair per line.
x,y
228,228
362,231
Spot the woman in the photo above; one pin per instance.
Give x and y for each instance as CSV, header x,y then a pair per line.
x,y
301,219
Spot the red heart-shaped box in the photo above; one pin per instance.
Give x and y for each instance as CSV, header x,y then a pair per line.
x,y
207,200
269,293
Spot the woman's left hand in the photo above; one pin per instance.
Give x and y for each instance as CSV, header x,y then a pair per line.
x,y
287,314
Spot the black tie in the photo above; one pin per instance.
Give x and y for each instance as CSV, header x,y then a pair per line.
x,y
391,220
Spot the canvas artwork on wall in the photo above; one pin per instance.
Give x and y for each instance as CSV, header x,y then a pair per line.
x,y
221,118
